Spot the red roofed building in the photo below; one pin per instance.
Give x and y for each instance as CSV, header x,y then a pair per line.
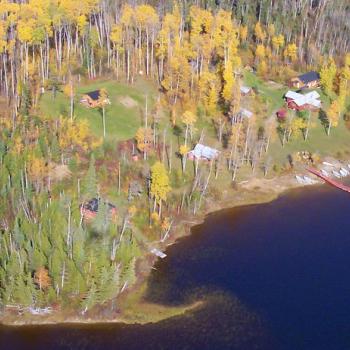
x,y
300,102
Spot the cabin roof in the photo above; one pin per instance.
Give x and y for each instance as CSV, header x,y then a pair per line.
x,y
245,113
311,98
309,77
202,151
94,95
245,89
93,205
293,95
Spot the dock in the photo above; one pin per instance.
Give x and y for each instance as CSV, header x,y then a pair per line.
x,y
158,253
329,180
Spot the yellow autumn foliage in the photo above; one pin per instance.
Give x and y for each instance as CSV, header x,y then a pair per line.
x,y
36,167
76,133
160,185
183,150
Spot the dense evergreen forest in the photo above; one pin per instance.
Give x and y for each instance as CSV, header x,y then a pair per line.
x,y
194,52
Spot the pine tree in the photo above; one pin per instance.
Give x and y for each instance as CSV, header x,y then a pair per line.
x,y
22,293
25,100
101,220
129,272
91,298
89,183
78,247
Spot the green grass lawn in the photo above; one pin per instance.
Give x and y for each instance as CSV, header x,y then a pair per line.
x,y
121,122
337,144
273,95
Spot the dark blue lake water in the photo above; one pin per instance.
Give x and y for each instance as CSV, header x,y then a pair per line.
x,y
272,276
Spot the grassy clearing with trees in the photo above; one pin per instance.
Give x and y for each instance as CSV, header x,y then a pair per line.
x,y
173,76
272,95
122,119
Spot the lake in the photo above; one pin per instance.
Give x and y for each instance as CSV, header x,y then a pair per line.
x,y
271,276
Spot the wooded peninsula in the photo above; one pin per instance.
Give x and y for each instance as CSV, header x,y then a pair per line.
x,y
120,120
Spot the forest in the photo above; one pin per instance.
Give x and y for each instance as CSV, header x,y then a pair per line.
x,y
191,59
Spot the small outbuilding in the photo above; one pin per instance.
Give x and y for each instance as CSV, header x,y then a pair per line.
x,y
89,209
241,115
92,99
201,152
245,90
308,80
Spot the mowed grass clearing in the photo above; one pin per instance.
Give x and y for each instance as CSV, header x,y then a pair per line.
x,y
337,144
273,95
122,120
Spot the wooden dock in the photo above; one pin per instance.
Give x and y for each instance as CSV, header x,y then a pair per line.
x,y
329,180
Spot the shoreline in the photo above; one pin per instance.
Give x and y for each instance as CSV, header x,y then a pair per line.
x,y
133,309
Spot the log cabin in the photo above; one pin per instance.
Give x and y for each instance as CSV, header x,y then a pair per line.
x,y
308,80
91,99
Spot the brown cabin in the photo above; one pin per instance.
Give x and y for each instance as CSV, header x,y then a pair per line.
x,y
308,80
91,99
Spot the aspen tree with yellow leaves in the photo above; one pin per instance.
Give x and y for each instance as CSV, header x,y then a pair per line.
x,y
327,75
333,115
278,43
243,33
160,186
260,34
70,92
144,138
290,52
228,82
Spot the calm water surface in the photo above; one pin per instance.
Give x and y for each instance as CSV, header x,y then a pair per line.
x,y
273,276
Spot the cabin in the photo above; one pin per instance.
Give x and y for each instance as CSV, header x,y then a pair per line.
x,y
308,80
245,90
241,115
92,99
89,209
300,102
201,152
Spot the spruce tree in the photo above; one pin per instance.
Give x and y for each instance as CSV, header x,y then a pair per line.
x,y
89,183
101,221
25,100
129,273
22,293
55,149
78,247
91,298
